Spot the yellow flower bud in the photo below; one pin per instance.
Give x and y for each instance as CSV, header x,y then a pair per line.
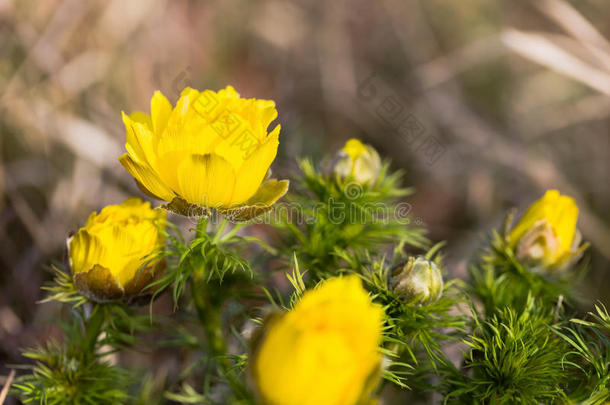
x,y
107,255
210,151
324,351
418,281
358,161
546,236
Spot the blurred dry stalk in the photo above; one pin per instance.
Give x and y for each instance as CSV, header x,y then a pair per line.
x,y
519,93
7,386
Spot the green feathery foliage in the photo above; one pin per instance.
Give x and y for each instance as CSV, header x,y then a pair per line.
x,y
413,328
514,357
334,214
501,281
75,372
209,255
62,289
589,357
524,341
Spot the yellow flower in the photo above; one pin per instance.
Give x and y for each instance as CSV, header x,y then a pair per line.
x,y
358,161
108,253
212,150
324,351
546,236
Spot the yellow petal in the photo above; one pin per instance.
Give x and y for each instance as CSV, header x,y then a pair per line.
x,y
114,245
131,246
253,170
141,118
267,194
207,180
236,139
188,128
160,110
209,104
560,211
147,178
258,113
268,113
534,213
354,148
167,167
228,92
332,337
85,251
139,142
182,111
563,217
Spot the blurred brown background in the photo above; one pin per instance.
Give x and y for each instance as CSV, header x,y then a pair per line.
x,y
485,104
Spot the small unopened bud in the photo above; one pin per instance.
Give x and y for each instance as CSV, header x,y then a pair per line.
x,y
357,161
418,281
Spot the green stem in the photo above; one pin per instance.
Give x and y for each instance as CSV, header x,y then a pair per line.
x,y
93,327
208,312
209,317
232,232
202,227
219,231
208,309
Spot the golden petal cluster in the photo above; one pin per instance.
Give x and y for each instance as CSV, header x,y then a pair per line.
x,y
113,256
212,150
324,351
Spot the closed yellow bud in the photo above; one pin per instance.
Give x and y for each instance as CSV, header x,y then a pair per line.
x,y
212,150
418,281
546,236
358,161
324,351
110,255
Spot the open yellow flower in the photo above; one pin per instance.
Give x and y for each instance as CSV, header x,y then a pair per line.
x,y
212,150
324,351
546,236
111,255
358,161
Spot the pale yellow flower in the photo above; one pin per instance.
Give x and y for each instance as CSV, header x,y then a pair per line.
x,y
212,150
418,281
358,162
111,255
324,351
546,236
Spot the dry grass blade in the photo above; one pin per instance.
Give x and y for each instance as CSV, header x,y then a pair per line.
x,y
9,381
538,48
573,22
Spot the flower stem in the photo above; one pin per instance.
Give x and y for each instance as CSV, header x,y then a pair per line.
x,y
202,227
208,312
94,322
209,317
221,228
232,232
208,304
